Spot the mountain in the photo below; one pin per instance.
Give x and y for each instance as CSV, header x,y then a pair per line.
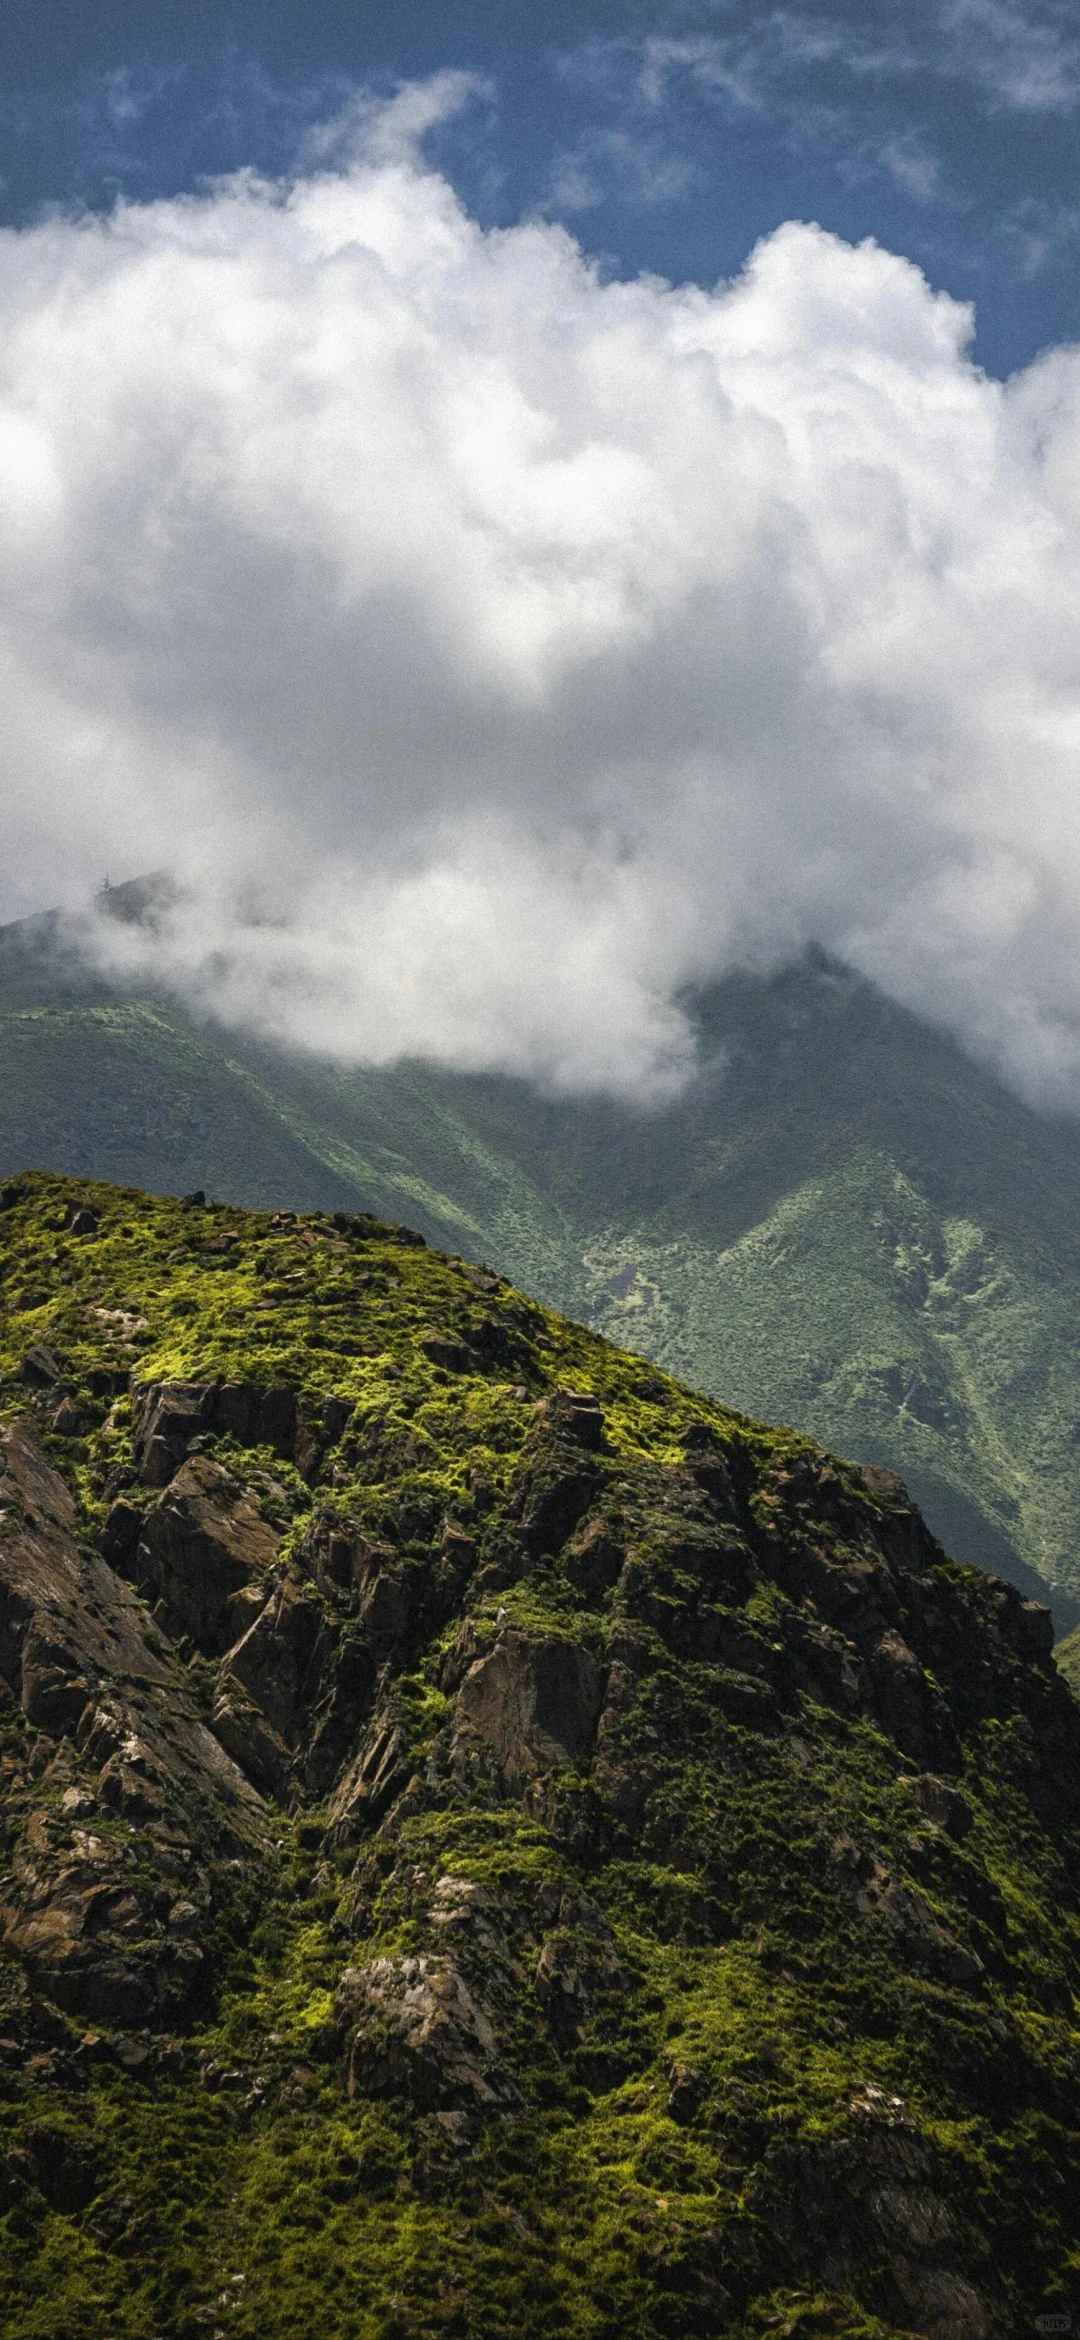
x,y
495,1842
841,1221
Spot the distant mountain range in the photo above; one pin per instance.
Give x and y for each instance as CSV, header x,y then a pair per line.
x,y
841,1222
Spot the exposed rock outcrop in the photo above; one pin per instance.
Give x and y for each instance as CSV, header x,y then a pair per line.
x,y
416,2030
170,1415
546,1855
203,1555
535,1703
116,1716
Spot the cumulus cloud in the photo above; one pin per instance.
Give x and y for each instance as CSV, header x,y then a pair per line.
x,y
491,651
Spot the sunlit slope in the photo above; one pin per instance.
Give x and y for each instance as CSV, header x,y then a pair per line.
x,y
892,1330
842,1222
493,1841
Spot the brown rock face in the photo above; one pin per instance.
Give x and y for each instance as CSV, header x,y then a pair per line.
x,y
117,1716
170,1414
875,2183
536,1704
573,1414
204,1543
283,1686
944,1806
418,2031
594,1560
559,1472
380,1772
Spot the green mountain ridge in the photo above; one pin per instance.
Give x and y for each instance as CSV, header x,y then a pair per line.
x,y
495,1842
841,1222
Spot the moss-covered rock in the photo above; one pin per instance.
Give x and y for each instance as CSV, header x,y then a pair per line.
x,y
495,1843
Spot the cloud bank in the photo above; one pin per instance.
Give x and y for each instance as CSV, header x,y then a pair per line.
x,y
492,650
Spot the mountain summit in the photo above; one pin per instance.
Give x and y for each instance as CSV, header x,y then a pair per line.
x,y
495,1842
841,1222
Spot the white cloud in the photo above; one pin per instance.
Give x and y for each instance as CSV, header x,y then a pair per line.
x,y
493,650
906,160
1022,58
609,164
1037,235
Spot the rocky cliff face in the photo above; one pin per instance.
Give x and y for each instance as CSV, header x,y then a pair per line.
x,y
493,1843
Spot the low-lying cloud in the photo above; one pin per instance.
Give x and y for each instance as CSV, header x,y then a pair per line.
x,y
491,650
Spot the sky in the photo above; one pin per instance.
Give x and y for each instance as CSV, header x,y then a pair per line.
x,y
669,137
517,523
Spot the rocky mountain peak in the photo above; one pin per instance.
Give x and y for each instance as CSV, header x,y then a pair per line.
x,y
494,1841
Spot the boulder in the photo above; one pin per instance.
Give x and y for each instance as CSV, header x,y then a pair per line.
x,y
53,1687
442,1350
337,1413
120,1536
257,1414
594,1560
559,1474
710,1469
85,1937
943,1805
905,1703
419,2032
553,1491
872,2188
1027,1626
575,1414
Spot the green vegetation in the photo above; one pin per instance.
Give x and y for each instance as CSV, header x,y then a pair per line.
x,y
841,1223
663,1918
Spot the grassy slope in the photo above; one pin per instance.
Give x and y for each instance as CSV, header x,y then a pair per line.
x,y
785,1926
843,1223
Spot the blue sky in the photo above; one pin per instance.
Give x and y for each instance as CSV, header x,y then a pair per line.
x,y
668,138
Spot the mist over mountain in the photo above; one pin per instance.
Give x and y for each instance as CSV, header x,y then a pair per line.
x,y
839,1221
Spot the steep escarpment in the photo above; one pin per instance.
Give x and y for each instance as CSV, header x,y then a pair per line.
x,y
495,1843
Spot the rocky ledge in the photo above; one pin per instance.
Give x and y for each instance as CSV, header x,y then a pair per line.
x,y
492,1842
